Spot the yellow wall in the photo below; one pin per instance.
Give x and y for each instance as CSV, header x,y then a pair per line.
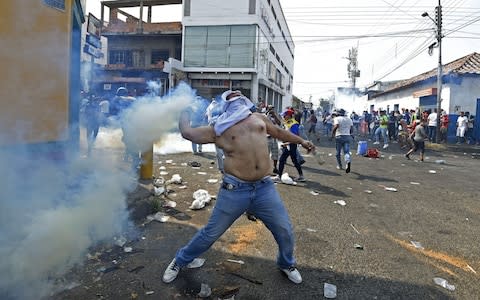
x,y
34,75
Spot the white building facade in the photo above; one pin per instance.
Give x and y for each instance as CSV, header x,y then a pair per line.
x,y
242,45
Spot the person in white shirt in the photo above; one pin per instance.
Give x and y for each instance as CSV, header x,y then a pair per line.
x,y
105,111
342,132
462,122
432,126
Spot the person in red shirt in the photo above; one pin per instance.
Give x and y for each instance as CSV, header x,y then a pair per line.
x,y
443,126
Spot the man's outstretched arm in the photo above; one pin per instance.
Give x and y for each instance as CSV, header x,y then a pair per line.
x,y
198,135
285,135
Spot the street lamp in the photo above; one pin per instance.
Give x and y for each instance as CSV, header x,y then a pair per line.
x,y
438,23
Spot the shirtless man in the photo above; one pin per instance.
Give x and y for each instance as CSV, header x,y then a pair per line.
x,y
246,182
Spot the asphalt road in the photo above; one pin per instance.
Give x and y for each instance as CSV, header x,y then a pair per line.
x,y
365,248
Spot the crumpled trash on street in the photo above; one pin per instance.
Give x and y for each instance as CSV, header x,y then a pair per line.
x,y
287,179
176,179
202,198
159,216
159,182
170,204
443,283
417,245
212,180
340,202
157,191
329,290
205,291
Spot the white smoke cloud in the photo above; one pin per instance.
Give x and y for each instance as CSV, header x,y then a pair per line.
x,y
150,118
50,214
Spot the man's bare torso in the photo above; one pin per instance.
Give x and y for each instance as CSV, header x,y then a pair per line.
x,y
246,150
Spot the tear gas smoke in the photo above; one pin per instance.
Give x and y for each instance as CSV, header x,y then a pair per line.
x,y
50,214
150,118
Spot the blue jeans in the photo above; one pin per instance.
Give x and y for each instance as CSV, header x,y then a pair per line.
x,y
342,142
293,152
383,132
234,198
432,133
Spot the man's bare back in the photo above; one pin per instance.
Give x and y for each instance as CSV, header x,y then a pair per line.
x,y
245,144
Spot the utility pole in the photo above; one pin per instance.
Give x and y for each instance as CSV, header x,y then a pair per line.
x,y
438,14
438,23
353,71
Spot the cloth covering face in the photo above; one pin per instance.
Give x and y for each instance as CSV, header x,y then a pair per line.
x,y
235,110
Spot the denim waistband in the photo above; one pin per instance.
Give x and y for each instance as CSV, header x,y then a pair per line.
x,y
238,180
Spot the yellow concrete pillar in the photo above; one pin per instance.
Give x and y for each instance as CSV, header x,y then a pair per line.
x,y
146,167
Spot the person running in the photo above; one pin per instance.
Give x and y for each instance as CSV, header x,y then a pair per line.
x,y
342,132
246,181
418,136
290,149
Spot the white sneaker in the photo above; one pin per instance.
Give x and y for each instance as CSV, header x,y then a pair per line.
x,y
376,143
171,272
385,146
293,275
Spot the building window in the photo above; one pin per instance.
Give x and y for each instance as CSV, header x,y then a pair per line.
x,y
220,46
159,55
129,58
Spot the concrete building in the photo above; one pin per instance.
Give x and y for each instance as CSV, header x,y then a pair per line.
x,y
138,49
460,91
244,45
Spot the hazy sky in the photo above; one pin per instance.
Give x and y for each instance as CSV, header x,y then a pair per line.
x,y
391,35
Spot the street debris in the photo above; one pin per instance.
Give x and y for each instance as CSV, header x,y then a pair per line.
x,y
212,180
162,168
176,179
159,216
170,203
355,228
311,230
358,246
368,191
159,182
432,171
252,280
196,263
182,187
391,189
169,161
194,164
127,249
163,173
340,202
287,179
202,173
443,283
417,245
414,183
440,161
314,193
202,198
241,262
329,290
205,291
149,293
157,191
